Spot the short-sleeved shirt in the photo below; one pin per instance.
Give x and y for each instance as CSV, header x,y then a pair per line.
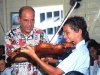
x,y
78,60
7,71
94,69
15,39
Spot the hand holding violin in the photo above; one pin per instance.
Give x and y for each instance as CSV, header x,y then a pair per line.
x,y
28,50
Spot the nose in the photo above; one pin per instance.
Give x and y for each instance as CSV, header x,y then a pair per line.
x,y
29,22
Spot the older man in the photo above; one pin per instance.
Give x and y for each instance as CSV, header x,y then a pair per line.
x,y
19,36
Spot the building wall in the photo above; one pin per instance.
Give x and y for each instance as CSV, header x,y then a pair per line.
x,y
1,23
89,9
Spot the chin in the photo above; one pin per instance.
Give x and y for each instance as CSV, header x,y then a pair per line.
x,y
28,31
2,70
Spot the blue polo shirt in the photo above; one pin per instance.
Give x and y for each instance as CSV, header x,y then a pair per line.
x,y
78,60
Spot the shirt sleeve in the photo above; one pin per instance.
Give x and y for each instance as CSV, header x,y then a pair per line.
x,y
70,62
9,42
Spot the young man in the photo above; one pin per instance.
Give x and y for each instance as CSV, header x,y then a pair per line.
x,y
74,31
19,36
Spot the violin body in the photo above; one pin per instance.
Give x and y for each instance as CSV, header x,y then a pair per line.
x,y
49,50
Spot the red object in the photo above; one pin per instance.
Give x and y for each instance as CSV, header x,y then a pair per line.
x,y
22,42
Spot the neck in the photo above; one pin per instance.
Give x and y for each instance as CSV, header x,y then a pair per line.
x,y
78,40
24,32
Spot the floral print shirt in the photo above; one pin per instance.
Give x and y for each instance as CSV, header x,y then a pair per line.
x,y
15,39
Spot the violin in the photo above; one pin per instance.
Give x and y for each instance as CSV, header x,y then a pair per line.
x,y
47,49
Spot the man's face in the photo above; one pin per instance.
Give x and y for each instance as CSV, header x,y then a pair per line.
x,y
2,65
27,21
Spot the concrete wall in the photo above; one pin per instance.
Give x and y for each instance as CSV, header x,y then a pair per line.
x,y
89,9
1,23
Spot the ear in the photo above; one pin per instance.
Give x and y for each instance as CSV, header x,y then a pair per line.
x,y
80,32
19,19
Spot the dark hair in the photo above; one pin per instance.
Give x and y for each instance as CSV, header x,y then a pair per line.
x,y
91,40
74,73
87,36
2,57
2,46
23,8
77,23
60,31
93,44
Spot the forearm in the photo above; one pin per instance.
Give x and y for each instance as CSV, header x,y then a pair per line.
x,y
48,68
20,59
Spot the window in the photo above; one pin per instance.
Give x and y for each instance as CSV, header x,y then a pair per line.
x,y
49,15
61,15
42,17
50,31
56,16
49,18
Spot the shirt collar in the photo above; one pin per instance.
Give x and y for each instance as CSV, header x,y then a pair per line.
x,y
80,43
19,31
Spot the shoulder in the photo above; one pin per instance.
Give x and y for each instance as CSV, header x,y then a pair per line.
x,y
81,47
37,30
80,51
8,70
12,31
41,34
